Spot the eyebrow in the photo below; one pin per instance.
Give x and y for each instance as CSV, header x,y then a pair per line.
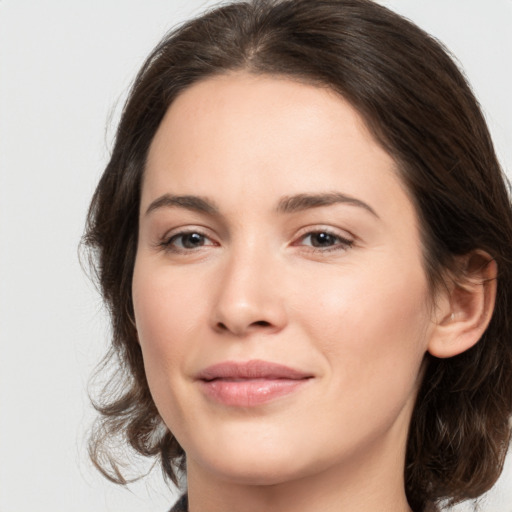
x,y
288,204
300,202
194,203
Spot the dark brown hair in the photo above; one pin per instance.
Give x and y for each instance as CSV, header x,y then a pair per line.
x,y
420,108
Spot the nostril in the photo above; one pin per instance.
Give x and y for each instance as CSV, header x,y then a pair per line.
x,y
261,323
222,326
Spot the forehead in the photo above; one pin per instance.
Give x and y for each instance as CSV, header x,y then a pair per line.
x,y
259,111
262,136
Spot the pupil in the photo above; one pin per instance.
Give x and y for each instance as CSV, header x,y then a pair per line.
x,y
322,239
192,240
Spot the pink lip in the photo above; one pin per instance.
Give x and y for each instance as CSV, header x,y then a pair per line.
x,y
250,383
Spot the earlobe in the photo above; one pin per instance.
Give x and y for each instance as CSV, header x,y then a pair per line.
x,y
465,307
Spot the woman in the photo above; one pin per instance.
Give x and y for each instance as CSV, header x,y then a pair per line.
x,y
304,239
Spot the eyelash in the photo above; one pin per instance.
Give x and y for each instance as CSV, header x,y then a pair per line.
x,y
340,243
168,242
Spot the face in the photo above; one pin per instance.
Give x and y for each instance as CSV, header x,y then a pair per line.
x,y
280,298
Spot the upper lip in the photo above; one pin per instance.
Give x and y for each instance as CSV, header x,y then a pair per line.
x,y
254,369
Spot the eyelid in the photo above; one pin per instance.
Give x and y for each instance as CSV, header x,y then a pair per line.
x,y
165,242
346,239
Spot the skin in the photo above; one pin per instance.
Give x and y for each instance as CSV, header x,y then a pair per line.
x,y
256,282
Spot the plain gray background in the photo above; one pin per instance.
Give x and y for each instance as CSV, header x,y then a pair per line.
x,y
65,66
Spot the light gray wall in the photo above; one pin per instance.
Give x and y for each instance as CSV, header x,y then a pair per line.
x,y
64,65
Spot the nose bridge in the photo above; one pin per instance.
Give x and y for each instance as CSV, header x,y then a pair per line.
x,y
249,297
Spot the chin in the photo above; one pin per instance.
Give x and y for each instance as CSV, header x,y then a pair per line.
x,y
256,473
258,464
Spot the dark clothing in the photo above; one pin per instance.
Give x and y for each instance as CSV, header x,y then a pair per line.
x,y
181,505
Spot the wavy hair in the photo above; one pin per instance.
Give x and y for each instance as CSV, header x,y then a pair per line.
x,y
420,108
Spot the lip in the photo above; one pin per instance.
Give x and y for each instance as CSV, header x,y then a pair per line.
x,y
251,383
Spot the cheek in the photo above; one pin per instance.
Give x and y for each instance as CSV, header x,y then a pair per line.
x,y
166,315
166,304
371,327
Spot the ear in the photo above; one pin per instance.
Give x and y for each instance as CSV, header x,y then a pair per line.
x,y
464,308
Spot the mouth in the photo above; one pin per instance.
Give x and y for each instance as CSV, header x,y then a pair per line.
x,y
250,383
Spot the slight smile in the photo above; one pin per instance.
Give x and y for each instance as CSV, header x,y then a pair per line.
x,y
251,383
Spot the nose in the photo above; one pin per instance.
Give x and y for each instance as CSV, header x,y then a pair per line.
x,y
250,297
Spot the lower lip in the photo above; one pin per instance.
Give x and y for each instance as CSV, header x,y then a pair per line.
x,y
249,392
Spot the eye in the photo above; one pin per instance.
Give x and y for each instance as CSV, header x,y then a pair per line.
x,y
186,241
324,240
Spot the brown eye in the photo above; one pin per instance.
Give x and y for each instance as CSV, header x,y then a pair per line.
x,y
324,239
187,241
192,240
